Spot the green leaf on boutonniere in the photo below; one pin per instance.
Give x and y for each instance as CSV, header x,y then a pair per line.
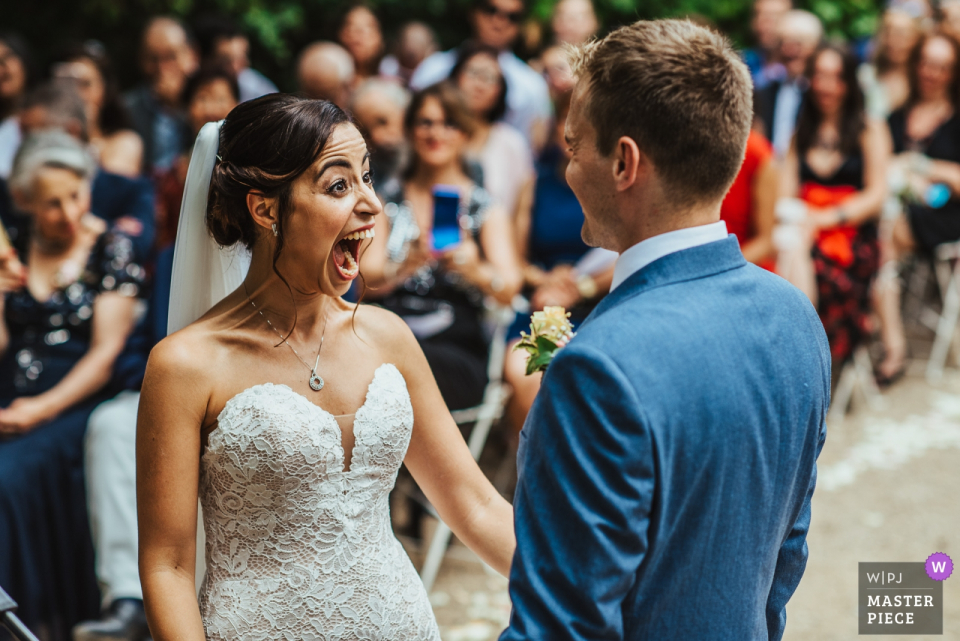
x,y
539,362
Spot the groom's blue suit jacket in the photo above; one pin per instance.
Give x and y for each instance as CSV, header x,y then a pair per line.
x,y
667,465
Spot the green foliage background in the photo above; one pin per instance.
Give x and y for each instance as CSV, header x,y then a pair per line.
x,y
280,28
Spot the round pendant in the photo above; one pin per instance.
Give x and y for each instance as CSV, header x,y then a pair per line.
x,y
316,383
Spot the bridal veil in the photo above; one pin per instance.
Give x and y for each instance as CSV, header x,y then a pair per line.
x,y
203,272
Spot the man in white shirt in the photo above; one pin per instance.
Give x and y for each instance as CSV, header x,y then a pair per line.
x,y
778,103
497,23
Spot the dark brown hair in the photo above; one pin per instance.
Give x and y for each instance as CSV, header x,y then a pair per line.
x,y
265,145
454,111
680,92
467,52
914,65
852,115
113,113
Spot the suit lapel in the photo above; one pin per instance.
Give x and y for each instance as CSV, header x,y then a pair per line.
x,y
688,264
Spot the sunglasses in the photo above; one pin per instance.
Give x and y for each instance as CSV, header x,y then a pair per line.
x,y
513,16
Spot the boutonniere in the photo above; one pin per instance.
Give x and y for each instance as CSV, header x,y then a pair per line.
x,y
549,331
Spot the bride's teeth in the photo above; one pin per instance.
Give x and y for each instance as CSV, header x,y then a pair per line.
x,y
360,235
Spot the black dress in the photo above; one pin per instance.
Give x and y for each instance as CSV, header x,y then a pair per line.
x,y
931,227
445,312
46,556
844,289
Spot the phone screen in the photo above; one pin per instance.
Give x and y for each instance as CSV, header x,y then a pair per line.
x,y
446,222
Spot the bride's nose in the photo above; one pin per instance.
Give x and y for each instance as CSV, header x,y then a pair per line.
x,y
368,204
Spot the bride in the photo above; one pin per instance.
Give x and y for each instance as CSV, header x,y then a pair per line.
x,y
286,410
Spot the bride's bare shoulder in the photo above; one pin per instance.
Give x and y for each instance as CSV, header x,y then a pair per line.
x,y
187,353
385,331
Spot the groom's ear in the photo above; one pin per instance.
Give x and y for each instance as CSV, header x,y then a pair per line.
x,y
629,163
262,208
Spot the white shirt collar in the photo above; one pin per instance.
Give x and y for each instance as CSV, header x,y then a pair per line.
x,y
645,252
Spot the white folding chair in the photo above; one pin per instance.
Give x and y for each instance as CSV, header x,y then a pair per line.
x,y
946,265
495,397
856,376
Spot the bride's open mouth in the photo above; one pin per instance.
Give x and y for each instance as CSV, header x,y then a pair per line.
x,y
346,253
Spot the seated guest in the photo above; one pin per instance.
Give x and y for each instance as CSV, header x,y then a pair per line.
x,y
548,237
762,60
501,151
885,81
926,139
65,315
156,107
496,23
778,102
379,105
325,71
748,207
119,148
122,201
415,42
210,94
361,36
837,165
17,76
223,44
440,293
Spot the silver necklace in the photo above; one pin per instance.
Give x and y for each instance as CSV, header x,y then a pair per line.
x,y
316,383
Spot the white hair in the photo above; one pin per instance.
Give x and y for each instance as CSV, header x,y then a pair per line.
x,y
51,148
393,92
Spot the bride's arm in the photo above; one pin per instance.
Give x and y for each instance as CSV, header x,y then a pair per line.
x,y
444,469
172,408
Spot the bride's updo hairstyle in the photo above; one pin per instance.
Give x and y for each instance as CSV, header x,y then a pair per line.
x,y
265,144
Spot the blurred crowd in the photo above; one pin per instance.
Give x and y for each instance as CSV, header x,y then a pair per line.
x,y
853,166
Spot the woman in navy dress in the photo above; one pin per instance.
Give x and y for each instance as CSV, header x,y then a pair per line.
x,y
69,302
548,235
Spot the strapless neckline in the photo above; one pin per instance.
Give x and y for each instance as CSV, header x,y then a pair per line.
x,y
327,415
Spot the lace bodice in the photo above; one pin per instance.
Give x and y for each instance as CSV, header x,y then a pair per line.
x,y
297,546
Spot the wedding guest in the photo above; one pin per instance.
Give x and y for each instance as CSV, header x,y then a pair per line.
x,y
361,36
166,59
325,71
886,81
573,22
762,60
118,147
496,23
440,293
415,42
748,208
222,43
378,106
125,202
210,94
778,103
837,164
557,73
926,141
66,314
548,238
17,76
949,18
501,151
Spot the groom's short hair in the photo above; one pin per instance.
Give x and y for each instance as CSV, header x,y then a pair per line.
x,y
681,92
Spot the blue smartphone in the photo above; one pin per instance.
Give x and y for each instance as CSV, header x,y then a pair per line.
x,y
446,221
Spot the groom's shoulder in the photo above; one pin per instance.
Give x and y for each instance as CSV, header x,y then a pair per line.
x,y
736,303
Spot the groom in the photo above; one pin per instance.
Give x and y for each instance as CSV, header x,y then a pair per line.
x,y
667,466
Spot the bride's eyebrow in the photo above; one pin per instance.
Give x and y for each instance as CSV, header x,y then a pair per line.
x,y
339,162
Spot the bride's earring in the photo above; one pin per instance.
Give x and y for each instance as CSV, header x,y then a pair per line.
x,y
274,228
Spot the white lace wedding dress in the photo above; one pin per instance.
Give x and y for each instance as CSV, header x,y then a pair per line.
x,y
297,546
